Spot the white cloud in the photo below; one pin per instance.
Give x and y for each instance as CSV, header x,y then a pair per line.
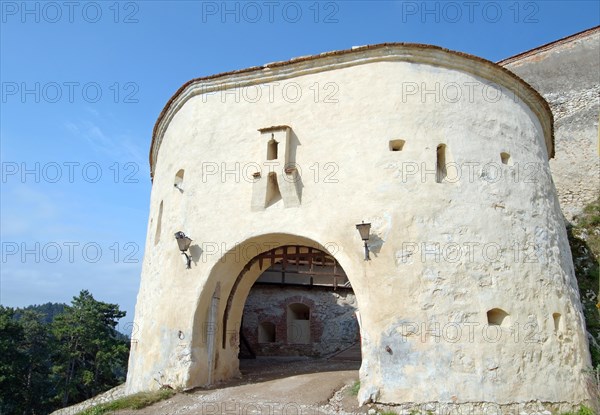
x,y
116,145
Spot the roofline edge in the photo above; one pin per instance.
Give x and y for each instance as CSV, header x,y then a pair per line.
x,y
547,46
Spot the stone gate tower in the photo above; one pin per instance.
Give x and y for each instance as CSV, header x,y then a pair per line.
x,y
469,297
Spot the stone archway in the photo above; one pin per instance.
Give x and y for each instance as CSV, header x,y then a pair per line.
x,y
217,321
302,304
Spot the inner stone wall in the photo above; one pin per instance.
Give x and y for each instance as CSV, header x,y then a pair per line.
x,y
333,324
565,73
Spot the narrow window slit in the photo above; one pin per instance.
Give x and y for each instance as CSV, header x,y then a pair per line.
x,y
440,163
272,149
158,224
179,180
556,318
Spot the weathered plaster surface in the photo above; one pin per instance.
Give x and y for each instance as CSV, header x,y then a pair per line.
x,y
443,254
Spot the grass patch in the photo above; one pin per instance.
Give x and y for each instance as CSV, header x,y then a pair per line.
x,y
583,410
354,388
137,401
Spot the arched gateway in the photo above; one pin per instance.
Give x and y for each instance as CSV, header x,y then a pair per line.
x,y
218,316
445,154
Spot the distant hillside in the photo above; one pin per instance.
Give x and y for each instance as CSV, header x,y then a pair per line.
x,y
48,310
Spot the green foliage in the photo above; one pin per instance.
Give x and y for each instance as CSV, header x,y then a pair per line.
x,y
37,346
584,238
591,218
355,388
583,410
48,311
90,355
56,355
137,401
12,363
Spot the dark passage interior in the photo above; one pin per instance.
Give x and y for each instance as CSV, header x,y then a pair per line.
x,y
302,305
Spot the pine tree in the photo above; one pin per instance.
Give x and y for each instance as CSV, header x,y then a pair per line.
x,y
37,346
89,355
12,363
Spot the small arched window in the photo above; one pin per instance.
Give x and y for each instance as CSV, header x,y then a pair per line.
x,y
556,319
179,179
496,317
272,149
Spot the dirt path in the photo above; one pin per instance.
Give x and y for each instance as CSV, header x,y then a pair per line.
x,y
271,387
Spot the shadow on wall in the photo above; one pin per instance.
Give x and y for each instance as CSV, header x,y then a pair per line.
x,y
195,253
292,149
375,244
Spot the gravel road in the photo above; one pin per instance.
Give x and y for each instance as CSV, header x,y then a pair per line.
x,y
272,387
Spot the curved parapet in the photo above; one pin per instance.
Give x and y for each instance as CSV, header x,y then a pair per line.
x,y
387,52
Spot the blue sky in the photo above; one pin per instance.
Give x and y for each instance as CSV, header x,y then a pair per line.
x,y
83,83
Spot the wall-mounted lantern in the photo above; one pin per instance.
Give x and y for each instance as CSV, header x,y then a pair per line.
x,y
364,229
184,244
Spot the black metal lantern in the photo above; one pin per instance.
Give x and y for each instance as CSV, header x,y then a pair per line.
x,y
184,244
364,229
